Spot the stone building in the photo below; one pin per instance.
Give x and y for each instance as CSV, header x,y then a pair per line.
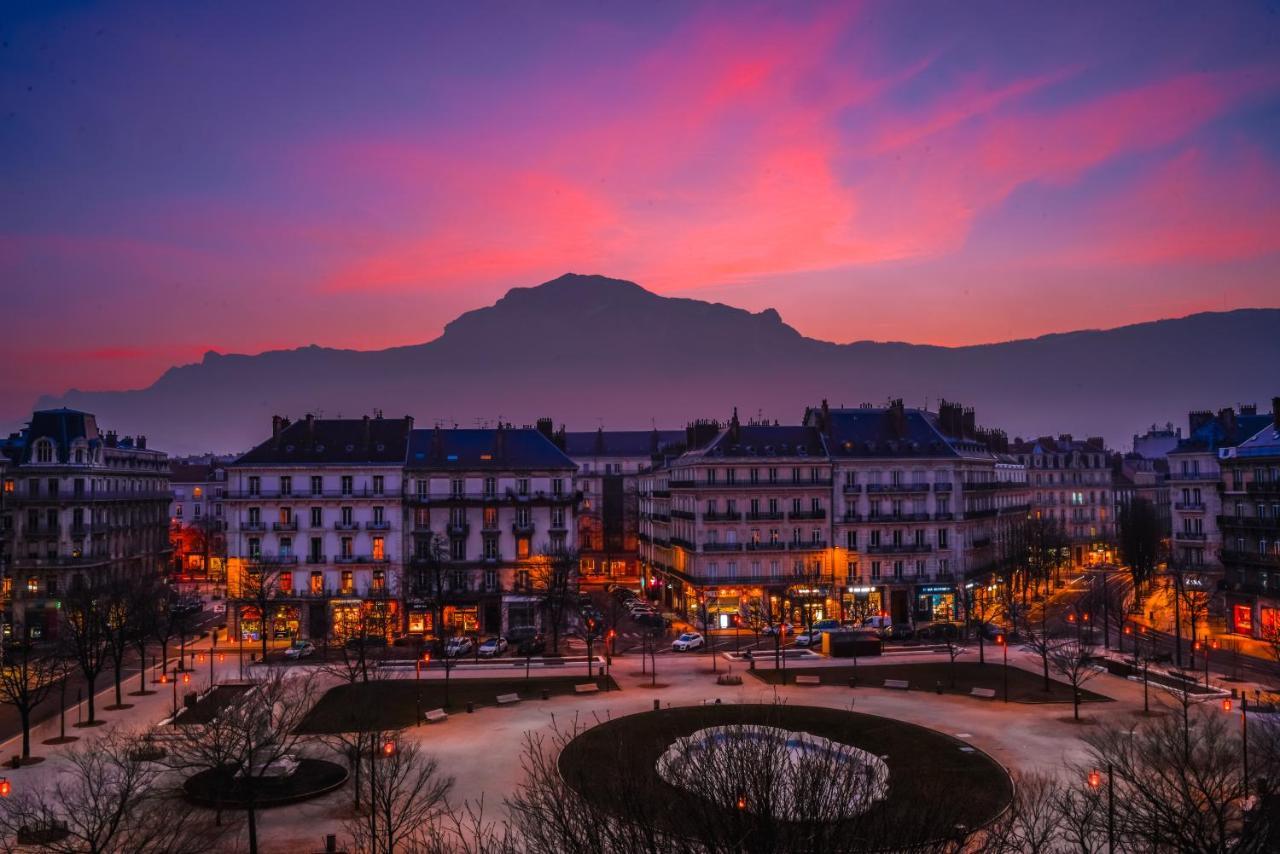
x,y
1070,480
86,507
315,518
1250,526
198,522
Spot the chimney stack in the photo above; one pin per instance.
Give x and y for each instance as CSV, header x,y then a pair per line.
x,y
1227,419
970,425
1197,419
368,432
547,428
1275,413
142,442
275,426
735,428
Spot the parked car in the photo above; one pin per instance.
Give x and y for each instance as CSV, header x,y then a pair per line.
x,y
300,649
990,631
493,646
456,646
774,628
687,642
531,645
366,641
901,631
826,625
879,623
941,631
810,638
653,620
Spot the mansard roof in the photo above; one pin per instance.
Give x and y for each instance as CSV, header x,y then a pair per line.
x,y
332,441
502,448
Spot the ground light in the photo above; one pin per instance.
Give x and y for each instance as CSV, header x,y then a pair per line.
x,y
6,788
1095,782
389,748
1003,643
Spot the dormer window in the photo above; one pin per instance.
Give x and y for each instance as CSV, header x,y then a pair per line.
x,y
43,451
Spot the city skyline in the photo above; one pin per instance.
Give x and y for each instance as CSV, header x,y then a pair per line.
x,y
870,172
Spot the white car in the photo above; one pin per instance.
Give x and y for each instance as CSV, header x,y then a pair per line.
x,y
774,628
493,646
300,649
687,641
457,646
813,638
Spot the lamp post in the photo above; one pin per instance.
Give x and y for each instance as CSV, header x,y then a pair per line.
x,y
1244,737
1004,645
1095,781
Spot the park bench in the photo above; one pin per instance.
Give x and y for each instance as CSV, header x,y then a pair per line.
x,y
808,680
989,693
586,688
711,701
437,715
900,684
508,699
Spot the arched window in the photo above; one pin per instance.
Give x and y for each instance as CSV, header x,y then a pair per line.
x,y
44,451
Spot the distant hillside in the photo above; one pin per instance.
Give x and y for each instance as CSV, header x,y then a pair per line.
x,y
582,349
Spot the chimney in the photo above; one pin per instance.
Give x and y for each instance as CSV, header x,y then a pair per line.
x,y
368,432
408,422
599,441
437,444
970,424
735,428
1275,413
1197,419
547,428
142,442
897,419
1248,409
500,440
275,426
1227,420
824,424
111,438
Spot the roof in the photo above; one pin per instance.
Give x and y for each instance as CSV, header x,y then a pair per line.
x,y
766,440
1217,433
63,426
620,443
1264,443
333,441
497,449
873,432
190,472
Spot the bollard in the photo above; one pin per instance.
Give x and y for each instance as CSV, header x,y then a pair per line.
x,y
471,706
938,684
657,705
546,694
853,681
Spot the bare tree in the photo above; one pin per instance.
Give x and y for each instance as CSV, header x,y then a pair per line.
x,y
555,581
86,637
254,731
27,678
1141,536
406,795
107,799
1195,610
258,587
119,629
144,616
1032,824
1072,659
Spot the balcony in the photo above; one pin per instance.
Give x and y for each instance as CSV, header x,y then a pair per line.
x,y
253,527
778,546
900,549
852,489
660,517
764,517
458,529
1193,477
851,516
807,546
346,526
726,516
273,560
1265,487
522,529
684,514
1254,523
306,495
943,517
758,485
722,547
942,487
1190,536
807,515
384,525
1189,506
1268,561
58,561
896,488
314,559
898,517
683,543
285,526
661,493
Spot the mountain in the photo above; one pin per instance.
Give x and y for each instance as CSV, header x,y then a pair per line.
x,y
586,349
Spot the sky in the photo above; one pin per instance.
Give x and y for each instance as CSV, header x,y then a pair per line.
x,y
248,176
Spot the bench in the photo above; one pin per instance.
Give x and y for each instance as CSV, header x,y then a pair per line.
x,y
508,699
586,688
437,715
989,693
900,684
808,680
710,701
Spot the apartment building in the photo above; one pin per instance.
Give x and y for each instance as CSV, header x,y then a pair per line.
x,y
917,499
7,488
1070,480
1250,526
1194,480
315,520
197,520
86,507
740,523
494,504
609,466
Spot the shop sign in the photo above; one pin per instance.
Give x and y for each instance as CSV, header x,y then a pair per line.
x,y
936,588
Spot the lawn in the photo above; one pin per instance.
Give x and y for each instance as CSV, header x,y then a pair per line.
x,y
209,705
935,781
1024,686
394,703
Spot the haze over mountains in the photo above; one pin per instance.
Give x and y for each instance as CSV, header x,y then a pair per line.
x,y
587,350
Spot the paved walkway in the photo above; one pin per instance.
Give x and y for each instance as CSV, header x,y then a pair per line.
x,y
482,750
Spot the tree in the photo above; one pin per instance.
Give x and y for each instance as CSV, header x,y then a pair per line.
x,y
144,615
254,731
27,678
406,796
1032,824
1073,660
1048,549
107,799
1194,595
554,577
259,587
119,630
1141,535
86,637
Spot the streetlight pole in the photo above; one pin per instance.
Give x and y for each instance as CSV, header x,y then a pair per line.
x,y
1244,737
1004,644
1111,809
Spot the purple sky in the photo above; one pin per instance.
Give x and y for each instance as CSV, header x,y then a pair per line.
x,y
356,175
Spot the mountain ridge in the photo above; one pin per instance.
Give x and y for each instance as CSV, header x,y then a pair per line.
x,y
585,348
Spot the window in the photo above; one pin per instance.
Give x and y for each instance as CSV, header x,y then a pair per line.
x,y
490,548
255,548
317,485
557,486
490,487
346,547
316,549
286,582
491,517
379,515
177,511
456,487
286,484
379,549
255,485
490,579
33,585
348,519
379,483
286,547
44,452
522,486
347,585
255,516
317,583
379,580
942,538
348,484
458,548
317,517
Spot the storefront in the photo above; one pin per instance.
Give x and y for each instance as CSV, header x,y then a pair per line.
x,y
420,618
936,603
858,603
807,605
461,619
346,618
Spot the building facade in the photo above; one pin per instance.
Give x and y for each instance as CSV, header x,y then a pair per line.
x,y
489,509
610,463
1195,477
86,508
198,522
1250,526
314,526
1070,481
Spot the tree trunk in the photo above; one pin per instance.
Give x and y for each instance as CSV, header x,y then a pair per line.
x,y
119,674
24,712
91,681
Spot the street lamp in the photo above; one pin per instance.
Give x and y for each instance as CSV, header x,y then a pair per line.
x,y
6,788
1095,781
1004,645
